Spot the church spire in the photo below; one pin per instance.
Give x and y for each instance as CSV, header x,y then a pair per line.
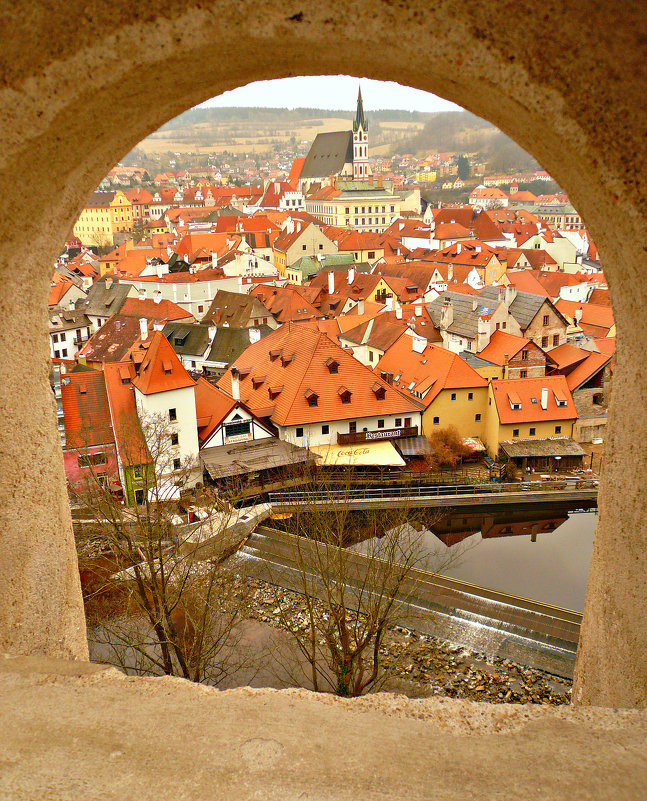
x,y
360,121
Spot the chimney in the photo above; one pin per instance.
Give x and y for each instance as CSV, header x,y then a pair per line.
x,y
418,310
214,260
142,294
398,312
478,248
458,248
109,281
475,305
143,329
235,383
446,314
360,307
158,326
160,270
389,303
211,333
418,344
510,294
577,315
331,283
351,275
254,335
70,305
157,296
544,398
482,334
450,272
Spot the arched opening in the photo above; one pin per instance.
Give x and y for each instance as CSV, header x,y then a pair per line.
x,y
543,94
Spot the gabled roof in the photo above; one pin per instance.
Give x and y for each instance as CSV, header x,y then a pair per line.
x,y
105,297
212,405
567,356
524,307
229,343
427,373
294,359
187,339
526,281
503,346
593,320
129,437
466,311
85,410
380,332
113,341
586,370
160,369
328,154
155,310
523,390
236,309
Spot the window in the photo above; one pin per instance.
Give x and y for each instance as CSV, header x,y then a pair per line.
x,y
555,340
175,439
453,396
320,247
137,471
558,429
177,464
503,326
477,418
398,422
299,431
546,319
345,396
238,428
523,374
303,247
532,432
172,415
436,421
125,380
515,432
544,342
470,396
90,459
352,427
524,355
54,337
370,355
325,428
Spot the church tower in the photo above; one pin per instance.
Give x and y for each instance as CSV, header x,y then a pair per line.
x,y
360,143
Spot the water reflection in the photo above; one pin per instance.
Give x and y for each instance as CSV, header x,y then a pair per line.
x,y
540,552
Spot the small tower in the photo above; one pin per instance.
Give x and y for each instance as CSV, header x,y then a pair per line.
x,y
360,143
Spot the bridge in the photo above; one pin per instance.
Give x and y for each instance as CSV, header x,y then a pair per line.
x,y
436,496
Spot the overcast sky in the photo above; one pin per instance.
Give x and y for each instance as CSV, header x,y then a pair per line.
x,y
331,92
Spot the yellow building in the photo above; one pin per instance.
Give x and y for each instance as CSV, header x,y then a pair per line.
x,y
528,408
106,215
360,205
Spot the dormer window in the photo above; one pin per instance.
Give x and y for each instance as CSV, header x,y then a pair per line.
x,y
258,381
379,391
285,360
274,391
332,365
311,397
167,367
344,394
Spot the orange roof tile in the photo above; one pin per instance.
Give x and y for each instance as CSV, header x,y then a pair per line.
x,y
129,437
523,390
302,366
502,345
160,370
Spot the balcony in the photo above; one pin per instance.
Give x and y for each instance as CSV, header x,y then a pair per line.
x,y
382,433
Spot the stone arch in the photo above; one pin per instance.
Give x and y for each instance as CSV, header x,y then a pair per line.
x,y
86,81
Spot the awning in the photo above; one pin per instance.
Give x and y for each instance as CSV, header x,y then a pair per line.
x,y
413,446
379,454
556,447
252,456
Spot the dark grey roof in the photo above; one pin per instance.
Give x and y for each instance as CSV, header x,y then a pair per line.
x,y
465,322
235,308
553,446
328,154
187,339
99,199
473,360
523,308
251,457
229,343
103,300
65,319
413,446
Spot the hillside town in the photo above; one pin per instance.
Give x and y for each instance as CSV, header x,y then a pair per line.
x,y
325,317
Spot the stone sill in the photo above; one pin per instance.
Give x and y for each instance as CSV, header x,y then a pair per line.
x,y
75,730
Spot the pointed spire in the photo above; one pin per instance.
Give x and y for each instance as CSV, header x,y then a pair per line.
x,y
360,120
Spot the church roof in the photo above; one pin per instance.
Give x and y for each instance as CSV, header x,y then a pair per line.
x,y
328,154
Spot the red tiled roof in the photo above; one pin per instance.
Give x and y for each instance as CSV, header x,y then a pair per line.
x,y
431,371
165,310
212,405
584,371
160,370
302,366
131,444
502,345
566,356
523,390
85,409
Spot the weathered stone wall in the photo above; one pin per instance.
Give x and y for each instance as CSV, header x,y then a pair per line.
x,y
84,81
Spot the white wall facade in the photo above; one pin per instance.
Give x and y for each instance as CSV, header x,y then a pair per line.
x,y
313,433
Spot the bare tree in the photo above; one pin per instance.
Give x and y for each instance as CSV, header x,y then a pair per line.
x,y
172,604
357,574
